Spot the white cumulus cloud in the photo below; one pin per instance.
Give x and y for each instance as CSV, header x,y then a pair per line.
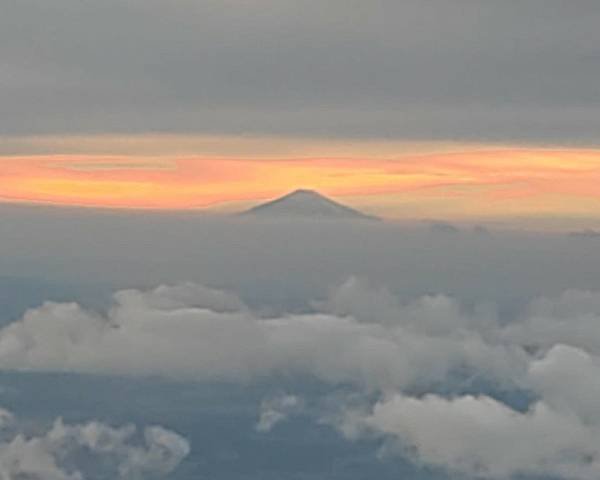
x,y
188,331
483,438
70,452
360,336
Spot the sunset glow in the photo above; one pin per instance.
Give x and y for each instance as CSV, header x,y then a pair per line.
x,y
448,182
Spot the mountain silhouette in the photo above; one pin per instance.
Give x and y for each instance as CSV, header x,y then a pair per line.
x,y
305,203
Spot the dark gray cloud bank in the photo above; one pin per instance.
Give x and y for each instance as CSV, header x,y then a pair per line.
x,y
397,350
459,69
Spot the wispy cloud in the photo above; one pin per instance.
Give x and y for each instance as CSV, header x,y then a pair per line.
x,y
99,165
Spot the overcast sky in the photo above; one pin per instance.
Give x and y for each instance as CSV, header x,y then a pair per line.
x,y
436,69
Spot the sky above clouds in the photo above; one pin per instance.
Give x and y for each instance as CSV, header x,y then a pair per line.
x,y
479,183
410,109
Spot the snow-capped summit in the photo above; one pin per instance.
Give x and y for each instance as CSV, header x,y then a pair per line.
x,y
305,203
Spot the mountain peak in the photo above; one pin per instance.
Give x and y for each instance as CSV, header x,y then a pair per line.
x,y
307,191
306,203
304,193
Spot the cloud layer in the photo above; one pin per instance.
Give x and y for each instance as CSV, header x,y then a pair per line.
x,y
192,332
425,363
446,69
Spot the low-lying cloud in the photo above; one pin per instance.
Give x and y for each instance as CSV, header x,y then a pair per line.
x,y
428,368
82,451
192,332
483,438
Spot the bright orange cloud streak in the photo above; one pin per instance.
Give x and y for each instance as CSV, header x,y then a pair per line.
x,y
508,181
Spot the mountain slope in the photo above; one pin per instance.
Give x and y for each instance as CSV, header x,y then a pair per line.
x,y
306,204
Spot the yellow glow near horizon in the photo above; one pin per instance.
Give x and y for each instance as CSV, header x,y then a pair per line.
x,y
397,180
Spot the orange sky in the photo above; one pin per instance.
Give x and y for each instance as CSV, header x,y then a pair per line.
x,y
406,181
